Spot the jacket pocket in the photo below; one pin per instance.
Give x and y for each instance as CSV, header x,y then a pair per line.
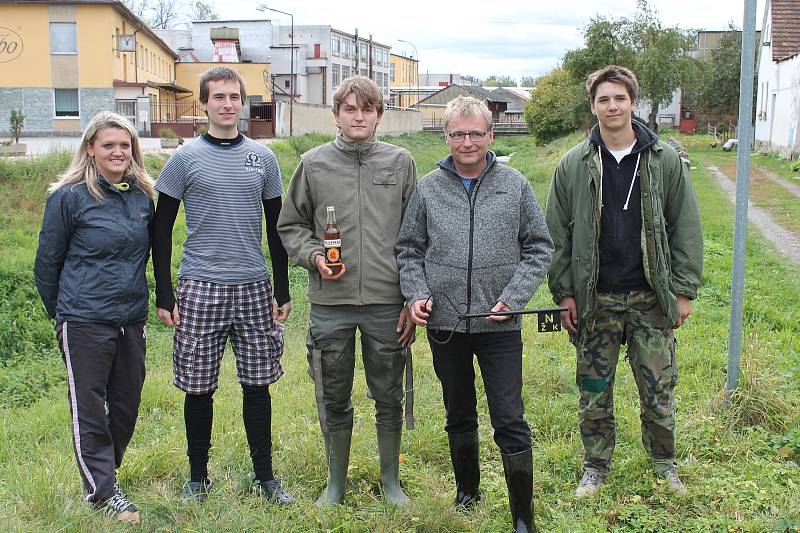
x,y
183,354
384,177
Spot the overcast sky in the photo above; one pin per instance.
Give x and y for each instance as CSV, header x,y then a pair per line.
x,y
504,37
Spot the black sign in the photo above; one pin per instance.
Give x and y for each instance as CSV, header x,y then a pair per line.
x,y
549,321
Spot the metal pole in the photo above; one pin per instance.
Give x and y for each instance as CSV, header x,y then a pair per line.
x,y
264,7
742,185
416,56
291,97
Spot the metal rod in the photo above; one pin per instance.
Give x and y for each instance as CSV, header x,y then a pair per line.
x,y
742,185
514,313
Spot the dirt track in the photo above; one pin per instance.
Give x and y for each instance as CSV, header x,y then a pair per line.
x,y
785,241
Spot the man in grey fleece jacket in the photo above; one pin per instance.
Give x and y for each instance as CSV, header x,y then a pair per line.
x,y
473,235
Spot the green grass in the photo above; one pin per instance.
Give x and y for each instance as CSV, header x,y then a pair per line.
x,y
740,460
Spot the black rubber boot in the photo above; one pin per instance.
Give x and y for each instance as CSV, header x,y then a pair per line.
x,y
464,455
389,450
337,451
518,468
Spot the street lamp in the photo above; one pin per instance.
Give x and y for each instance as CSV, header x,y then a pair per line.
x,y
416,54
264,7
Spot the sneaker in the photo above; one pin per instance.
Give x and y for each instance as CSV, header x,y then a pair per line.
x,y
273,491
674,483
196,491
120,507
589,483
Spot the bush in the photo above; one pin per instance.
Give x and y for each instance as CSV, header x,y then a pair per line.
x,y
17,123
550,113
167,133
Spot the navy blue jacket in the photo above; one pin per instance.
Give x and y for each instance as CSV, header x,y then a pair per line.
x,y
91,260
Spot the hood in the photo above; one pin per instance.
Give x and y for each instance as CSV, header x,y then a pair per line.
x,y
645,138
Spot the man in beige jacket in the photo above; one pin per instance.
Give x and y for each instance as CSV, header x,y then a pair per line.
x,y
369,183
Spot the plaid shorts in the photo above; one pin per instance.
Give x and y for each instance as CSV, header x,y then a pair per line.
x,y
209,314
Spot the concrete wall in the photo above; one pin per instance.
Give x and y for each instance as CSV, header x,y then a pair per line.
x,y
311,118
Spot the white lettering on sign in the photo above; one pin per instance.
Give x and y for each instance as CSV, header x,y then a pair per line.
x,y
10,45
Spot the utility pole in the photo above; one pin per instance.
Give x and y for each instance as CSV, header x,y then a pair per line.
x,y
742,185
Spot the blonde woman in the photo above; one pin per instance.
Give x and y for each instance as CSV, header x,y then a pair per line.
x,y
90,272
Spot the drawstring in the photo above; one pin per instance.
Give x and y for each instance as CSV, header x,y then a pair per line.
x,y
635,172
600,155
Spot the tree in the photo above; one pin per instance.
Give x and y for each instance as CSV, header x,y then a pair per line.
x,y
137,7
164,14
202,10
499,81
528,81
653,52
550,113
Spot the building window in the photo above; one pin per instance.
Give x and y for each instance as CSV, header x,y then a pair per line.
x,y
287,84
63,38
345,72
386,58
392,72
336,75
363,53
363,72
336,44
66,102
345,48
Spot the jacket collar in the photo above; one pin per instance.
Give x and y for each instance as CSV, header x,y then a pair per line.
x,y
354,149
110,186
448,164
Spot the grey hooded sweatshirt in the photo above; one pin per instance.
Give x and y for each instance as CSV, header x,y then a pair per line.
x,y
475,248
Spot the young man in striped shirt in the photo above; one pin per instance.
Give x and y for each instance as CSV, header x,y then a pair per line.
x,y
223,179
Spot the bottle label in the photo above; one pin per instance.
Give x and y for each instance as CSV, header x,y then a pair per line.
x,y
332,256
332,243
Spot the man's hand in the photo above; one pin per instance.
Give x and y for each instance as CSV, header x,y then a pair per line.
x,y
569,317
420,311
167,318
685,308
281,313
499,306
326,273
406,328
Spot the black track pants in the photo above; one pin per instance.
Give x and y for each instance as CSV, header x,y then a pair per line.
x,y
105,373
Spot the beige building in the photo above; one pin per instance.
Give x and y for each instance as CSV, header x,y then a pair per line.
x,y
404,90
64,61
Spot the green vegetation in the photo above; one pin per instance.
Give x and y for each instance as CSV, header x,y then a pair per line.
x,y
739,460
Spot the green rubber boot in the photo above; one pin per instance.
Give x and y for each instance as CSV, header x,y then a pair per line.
x,y
389,450
337,450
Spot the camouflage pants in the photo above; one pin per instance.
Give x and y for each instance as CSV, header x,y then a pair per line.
x,y
635,319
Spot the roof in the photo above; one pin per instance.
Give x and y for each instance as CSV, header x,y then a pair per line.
x,y
514,102
785,29
119,6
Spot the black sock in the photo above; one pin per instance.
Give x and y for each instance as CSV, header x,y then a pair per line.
x,y
257,414
198,415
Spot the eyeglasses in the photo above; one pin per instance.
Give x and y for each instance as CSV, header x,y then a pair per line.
x,y
474,136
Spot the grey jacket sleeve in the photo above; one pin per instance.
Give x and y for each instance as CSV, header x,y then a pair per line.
x,y
536,252
412,243
296,222
54,237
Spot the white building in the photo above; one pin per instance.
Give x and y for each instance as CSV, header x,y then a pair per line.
x,y
778,100
322,58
